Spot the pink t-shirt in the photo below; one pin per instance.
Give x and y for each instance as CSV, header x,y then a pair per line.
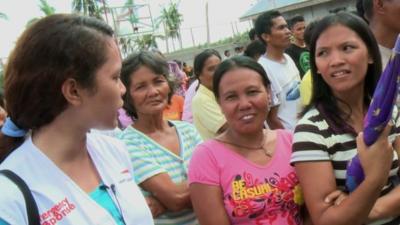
x,y
252,194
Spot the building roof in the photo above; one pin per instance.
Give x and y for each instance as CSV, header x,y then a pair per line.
x,y
280,5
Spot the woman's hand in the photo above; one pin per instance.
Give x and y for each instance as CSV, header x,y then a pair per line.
x,y
335,198
376,160
155,206
174,197
386,206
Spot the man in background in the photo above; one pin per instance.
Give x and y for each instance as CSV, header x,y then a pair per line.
x,y
272,30
383,17
298,50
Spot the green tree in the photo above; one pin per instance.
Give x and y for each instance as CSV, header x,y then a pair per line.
x,y
172,20
88,7
46,9
147,41
137,41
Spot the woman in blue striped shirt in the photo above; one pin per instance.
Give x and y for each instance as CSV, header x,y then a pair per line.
x,y
160,150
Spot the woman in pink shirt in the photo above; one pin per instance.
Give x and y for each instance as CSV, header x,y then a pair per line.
x,y
243,176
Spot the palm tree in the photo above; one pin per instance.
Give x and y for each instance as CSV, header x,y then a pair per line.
x,y
147,41
47,10
137,41
126,45
172,20
87,7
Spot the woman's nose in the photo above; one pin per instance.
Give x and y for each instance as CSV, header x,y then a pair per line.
x,y
122,87
336,58
244,103
152,90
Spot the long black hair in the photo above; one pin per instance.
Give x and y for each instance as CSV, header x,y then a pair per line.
x,y
201,59
322,96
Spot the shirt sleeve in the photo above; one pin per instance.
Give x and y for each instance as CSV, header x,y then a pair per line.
x,y
210,114
308,143
306,88
203,167
143,159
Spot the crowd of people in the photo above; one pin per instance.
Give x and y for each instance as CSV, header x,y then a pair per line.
x,y
259,138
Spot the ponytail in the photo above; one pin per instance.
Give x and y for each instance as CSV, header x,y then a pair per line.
x,y
8,144
11,137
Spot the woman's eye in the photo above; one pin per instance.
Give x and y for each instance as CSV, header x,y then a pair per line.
x,y
230,97
348,48
321,53
211,69
158,81
253,92
139,87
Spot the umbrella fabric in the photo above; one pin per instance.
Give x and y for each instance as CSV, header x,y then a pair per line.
x,y
379,113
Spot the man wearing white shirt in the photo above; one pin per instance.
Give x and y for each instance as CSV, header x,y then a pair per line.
x,y
272,29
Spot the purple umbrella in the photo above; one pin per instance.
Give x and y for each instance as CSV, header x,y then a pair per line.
x,y
379,113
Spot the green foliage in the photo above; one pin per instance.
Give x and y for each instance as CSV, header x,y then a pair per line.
x,y
172,19
144,42
126,44
46,8
147,41
87,8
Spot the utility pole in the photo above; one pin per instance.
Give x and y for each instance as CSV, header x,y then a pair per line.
x,y
191,32
207,24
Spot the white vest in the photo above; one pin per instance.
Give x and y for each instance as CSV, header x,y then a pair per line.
x,y
59,199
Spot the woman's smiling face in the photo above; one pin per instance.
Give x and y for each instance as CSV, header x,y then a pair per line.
x,y
244,100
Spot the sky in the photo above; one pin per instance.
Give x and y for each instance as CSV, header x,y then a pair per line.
x,y
223,17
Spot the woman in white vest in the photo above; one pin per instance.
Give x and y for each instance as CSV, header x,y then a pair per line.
x,y
63,79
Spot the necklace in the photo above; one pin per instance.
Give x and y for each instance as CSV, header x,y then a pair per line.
x,y
259,147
